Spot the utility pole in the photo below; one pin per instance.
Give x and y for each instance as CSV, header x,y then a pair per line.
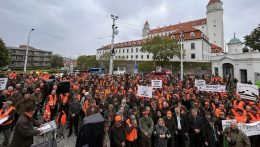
x,y
27,50
182,38
114,33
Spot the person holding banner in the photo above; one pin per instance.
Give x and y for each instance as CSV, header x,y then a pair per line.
x,y
235,137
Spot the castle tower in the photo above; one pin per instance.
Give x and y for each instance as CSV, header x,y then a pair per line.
x,y
235,46
146,29
215,23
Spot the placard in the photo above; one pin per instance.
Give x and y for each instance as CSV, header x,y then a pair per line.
x,y
157,83
250,129
247,91
3,82
199,83
212,88
145,91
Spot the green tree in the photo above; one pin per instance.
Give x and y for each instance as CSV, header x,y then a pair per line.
x,y
253,40
104,60
57,61
4,54
162,48
85,62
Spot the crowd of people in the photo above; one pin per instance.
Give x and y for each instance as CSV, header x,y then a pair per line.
x,y
178,114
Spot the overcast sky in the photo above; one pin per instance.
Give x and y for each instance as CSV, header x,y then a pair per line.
x,y
70,27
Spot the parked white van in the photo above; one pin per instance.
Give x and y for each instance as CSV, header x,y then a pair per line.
x,y
119,70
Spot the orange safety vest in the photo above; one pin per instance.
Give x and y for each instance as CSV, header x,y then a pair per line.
x,y
253,118
47,113
52,100
5,114
239,105
241,118
85,106
64,99
132,135
62,119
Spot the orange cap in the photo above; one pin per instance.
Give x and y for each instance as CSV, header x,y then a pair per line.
x,y
118,118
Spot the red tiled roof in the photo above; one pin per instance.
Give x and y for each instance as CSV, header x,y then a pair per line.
x,y
187,34
124,44
213,1
216,49
184,25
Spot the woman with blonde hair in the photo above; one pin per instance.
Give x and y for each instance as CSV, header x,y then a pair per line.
x,y
161,134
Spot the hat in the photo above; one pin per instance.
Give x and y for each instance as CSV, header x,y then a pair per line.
x,y
8,102
132,117
147,108
86,93
118,118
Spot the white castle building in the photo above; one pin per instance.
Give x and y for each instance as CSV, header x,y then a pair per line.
x,y
202,38
241,63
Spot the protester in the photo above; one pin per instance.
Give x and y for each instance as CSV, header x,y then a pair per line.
x,y
5,127
235,137
161,134
24,130
118,133
146,127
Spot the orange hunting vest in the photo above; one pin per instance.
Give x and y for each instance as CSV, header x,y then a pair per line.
x,y
47,113
63,118
132,136
5,114
253,118
239,105
241,119
52,101
64,99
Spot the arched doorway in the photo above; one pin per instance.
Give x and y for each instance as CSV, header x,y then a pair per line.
x,y
228,68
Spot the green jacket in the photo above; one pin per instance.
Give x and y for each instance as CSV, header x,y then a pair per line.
x,y
146,126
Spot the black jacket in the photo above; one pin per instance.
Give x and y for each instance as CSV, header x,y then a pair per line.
x,y
118,135
183,122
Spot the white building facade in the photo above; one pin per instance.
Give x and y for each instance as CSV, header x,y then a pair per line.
x,y
199,37
244,66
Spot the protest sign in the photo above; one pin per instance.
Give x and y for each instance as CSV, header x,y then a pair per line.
x,y
157,83
3,82
145,91
247,91
250,129
212,88
199,83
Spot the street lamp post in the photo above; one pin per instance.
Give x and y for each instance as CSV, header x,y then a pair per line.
x,y
114,32
27,50
181,40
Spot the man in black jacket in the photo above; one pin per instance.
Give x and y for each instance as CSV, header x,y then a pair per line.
x,y
181,132
210,134
171,125
74,111
118,133
195,128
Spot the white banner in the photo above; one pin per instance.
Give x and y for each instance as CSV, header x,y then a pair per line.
x,y
3,82
247,91
157,83
145,91
212,88
199,83
250,129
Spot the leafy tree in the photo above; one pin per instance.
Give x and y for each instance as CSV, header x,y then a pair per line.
x,y
162,48
4,54
104,60
56,61
85,62
253,40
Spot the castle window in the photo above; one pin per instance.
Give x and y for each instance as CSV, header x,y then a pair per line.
x,y
192,34
131,56
214,26
127,50
119,51
132,50
172,37
136,56
123,50
147,56
136,50
192,56
192,46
